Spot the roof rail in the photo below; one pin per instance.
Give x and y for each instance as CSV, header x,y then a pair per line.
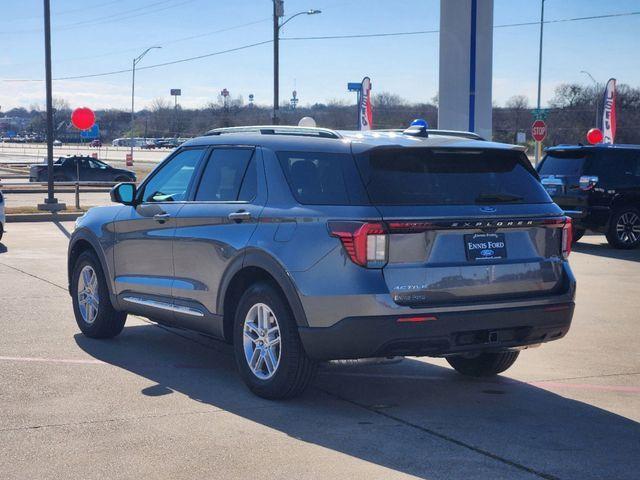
x,y
278,130
448,133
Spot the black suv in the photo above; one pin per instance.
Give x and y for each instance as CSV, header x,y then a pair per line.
x,y
599,186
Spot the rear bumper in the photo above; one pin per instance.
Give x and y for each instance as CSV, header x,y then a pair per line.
x,y
444,334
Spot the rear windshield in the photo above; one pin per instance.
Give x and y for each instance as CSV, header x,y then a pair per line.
x,y
565,163
418,176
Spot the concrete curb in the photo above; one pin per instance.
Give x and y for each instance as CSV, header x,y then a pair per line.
x,y
42,217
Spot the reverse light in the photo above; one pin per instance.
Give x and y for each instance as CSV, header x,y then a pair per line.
x,y
366,243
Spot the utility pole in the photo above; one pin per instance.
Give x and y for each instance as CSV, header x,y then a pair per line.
x,y
539,144
50,203
278,13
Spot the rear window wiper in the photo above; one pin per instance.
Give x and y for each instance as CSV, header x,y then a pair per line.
x,y
498,198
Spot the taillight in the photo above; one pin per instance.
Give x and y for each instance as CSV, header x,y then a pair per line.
x,y
365,243
567,238
567,233
587,182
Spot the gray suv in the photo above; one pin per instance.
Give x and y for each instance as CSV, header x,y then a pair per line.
x,y
299,245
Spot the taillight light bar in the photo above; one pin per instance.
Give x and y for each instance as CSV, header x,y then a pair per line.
x,y
366,243
567,233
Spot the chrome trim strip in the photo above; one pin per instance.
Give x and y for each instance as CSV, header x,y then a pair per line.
x,y
164,306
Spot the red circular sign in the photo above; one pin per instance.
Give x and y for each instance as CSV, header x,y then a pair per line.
x,y
594,136
539,130
83,118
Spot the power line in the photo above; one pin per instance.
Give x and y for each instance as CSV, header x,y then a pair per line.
x,y
116,17
163,44
424,32
328,37
182,60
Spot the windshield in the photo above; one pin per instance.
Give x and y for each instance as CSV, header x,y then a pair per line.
x,y
420,176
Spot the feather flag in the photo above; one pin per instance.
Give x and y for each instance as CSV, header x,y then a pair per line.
x,y
609,112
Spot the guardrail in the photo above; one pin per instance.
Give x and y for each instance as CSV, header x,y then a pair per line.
x,y
76,184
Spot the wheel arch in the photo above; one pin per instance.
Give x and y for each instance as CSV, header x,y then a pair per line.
x,y
255,266
81,242
626,200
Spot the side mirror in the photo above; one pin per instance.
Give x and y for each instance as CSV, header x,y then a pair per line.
x,y
124,193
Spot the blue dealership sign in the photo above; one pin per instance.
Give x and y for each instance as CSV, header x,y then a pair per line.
x,y
92,133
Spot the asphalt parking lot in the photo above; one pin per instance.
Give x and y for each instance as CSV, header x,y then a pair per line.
x,y
162,403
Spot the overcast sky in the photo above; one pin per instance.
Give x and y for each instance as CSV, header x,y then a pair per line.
x,y
93,36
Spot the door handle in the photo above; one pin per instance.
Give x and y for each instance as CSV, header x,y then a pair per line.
x,y
161,217
239,216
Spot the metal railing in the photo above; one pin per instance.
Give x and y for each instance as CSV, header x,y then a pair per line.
x,y
74,183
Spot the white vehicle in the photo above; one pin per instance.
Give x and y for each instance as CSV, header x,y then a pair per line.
x,y
2,216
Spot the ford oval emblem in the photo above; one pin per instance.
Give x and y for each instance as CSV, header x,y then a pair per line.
x,y
488,209
487,253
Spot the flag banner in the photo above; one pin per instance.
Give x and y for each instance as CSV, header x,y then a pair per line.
x,y
365,114
609,112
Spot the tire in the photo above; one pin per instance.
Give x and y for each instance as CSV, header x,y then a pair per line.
x,y
483,365
624,228
105,322
293,370
578,233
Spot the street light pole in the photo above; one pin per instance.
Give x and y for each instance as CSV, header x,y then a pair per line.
x,y
50,203
596,94
278,12
133,89
539,145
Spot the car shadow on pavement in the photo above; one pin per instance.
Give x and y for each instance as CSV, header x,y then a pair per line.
x,y
3,248
412,417
605,250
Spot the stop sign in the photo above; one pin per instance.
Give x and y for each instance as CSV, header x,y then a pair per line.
x,y
539,130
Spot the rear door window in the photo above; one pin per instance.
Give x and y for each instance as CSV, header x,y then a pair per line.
x,y
229,172
421,176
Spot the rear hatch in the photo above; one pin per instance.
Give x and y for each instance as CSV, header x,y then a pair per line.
x,y
560,173
463,225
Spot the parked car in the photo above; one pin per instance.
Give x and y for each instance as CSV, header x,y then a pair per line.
x,y
299,245
96,143
91,169
168,143
599,187
3,219
150,145
57,143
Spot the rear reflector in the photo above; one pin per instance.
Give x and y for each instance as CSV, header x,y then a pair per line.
x,y
418,319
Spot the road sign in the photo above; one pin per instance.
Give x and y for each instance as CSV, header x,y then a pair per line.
x,y
540,113
539,130
93,132
176,92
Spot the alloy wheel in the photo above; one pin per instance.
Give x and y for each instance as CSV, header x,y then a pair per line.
x,y
88,296
261,341
628,228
